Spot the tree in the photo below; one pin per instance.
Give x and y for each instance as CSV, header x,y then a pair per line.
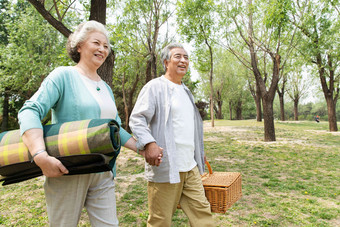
x,y
256,94
262,26
136,41
199,27
141,21
297,90
281,88
319,23
32,51
4,16
97,12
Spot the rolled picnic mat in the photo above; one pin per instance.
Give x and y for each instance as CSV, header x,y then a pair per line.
x,y
86,146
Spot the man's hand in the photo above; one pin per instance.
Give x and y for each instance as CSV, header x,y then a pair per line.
x,y
153,154
50,166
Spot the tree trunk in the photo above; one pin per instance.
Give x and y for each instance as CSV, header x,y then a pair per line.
x,y
268,117
219,105
153,66
331,109
126,107
5,111
296,112
258,105
105,71
256,94
130,102
281,93
98,11
239,110
211,88
148,76
329,93
282,106
230,111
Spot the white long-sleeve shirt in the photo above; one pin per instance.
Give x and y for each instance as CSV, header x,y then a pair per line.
x,y
151,121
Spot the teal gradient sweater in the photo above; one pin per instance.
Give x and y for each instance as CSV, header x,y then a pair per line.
x,y
64,92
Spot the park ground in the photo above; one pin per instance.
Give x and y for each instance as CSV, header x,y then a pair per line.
x,y
293,181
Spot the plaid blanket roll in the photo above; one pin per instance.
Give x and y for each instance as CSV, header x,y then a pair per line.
x,y
99,137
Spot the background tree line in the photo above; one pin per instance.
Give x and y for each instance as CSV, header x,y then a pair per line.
x,y
254,59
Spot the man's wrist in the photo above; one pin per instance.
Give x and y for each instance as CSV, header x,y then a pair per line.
x,y
149,144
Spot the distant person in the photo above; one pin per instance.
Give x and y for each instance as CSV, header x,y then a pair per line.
x,y
166,120
317,118
75,93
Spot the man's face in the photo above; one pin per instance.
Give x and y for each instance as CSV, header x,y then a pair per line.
x,y
178,63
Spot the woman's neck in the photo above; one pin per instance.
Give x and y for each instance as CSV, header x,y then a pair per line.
x,y
89,72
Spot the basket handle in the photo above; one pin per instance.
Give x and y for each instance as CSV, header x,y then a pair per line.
x,y
209,167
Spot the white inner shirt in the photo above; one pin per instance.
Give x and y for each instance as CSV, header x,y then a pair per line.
x,y
182,111
108,109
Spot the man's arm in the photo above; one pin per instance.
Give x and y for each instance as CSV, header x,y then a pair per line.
x,y
140,118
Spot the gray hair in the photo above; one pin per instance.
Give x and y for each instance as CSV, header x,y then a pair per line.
x,y
166,52
80,35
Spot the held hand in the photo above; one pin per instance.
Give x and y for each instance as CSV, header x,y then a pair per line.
x,y
153,154
50,166
142,152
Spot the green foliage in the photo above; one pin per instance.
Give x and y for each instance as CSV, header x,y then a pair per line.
x,y
4,16
33,50
276,15
137,41
320,35
197,26
230,82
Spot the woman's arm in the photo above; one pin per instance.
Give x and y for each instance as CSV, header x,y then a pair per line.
x,y
131,144
50,166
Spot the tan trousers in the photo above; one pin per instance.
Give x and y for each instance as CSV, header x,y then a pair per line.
x,y
67,195
163,199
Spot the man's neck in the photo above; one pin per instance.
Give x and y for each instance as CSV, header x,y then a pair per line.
x,y
175,79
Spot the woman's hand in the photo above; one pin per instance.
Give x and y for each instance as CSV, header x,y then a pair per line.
x,y
50,166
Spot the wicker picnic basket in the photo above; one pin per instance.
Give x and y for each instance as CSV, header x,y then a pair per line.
x,y
222,189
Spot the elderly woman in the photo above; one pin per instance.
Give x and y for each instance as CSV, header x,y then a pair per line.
x,y
75,93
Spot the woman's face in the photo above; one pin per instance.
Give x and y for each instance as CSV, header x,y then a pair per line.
x,y
94,50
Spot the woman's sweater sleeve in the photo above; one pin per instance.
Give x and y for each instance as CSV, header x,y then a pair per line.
x,y
124,135
37,107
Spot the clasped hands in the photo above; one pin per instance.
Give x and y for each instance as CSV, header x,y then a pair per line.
x,y
153,154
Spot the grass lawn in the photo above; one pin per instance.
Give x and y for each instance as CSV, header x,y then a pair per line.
x,y
294,181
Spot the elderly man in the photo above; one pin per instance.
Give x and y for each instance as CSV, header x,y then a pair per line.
x,y
166,122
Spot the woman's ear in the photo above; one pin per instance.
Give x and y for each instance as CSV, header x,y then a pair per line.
x,y
79,47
